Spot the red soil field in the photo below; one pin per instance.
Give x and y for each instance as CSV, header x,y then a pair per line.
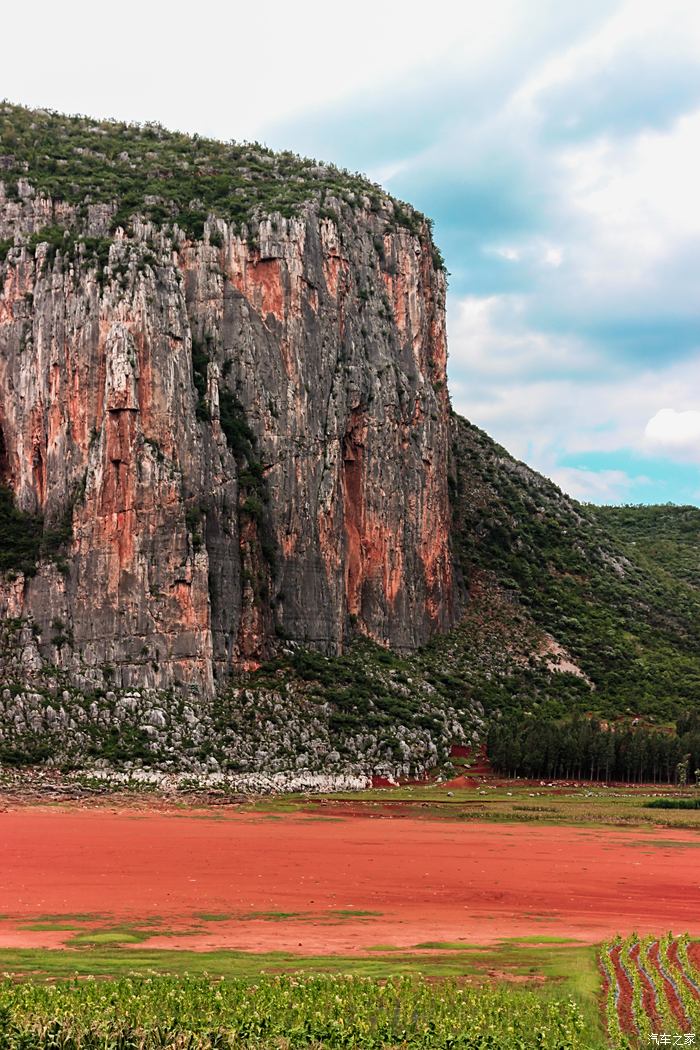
x,y
421,880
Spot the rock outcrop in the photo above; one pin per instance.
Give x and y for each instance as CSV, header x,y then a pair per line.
x,y
242,437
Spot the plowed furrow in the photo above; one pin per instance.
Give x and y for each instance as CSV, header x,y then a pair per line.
x,y
625,1010
668,983
679,969
648,991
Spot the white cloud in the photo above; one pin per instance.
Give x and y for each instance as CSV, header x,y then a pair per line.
x,y
671,28
533,252
622,235
492,335
545,397
675,433
596,486
554,256
511,254
638,201
231,69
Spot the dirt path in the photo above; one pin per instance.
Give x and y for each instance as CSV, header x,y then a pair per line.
x,y
208,880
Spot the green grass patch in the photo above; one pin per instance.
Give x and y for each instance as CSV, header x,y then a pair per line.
x,y
515,803
353,913
661,844
674,803
116,936
87,916
274,916
41,926
538,939
449,946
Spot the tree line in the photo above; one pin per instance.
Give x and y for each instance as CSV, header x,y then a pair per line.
x,y
591,749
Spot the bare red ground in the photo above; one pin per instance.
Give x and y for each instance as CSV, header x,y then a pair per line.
x,y
478,771
426,880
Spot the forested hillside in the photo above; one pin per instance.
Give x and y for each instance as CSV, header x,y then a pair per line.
x,y
665,538
616,587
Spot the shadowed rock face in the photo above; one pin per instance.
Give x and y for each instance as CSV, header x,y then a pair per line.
x,y
292,485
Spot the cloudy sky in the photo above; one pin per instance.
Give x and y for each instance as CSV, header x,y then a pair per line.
x,y
556,145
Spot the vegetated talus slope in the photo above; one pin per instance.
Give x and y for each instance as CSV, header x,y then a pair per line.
x,y
615,587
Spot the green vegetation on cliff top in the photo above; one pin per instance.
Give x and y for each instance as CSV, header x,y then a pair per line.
x,y
168,177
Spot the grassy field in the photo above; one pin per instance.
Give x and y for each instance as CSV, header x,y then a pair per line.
x,y
509,801
540,960
492,800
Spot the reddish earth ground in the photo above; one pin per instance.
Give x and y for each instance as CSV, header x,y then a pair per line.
x,y
420,880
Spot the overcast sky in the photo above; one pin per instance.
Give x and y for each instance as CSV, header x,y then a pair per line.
x,y
556,145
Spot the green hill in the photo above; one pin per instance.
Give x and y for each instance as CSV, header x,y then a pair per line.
x,y
666,538
616,587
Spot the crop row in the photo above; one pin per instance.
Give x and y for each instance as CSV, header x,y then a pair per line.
x,y
154,1013
651,990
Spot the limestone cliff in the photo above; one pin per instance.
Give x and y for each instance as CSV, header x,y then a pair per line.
x,y
233,434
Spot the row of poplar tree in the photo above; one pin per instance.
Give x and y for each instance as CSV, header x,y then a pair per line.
x,y
590,749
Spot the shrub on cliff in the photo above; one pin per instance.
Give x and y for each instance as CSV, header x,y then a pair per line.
x,y
20,536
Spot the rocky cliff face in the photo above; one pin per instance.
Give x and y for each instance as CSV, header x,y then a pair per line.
x,y
238,438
